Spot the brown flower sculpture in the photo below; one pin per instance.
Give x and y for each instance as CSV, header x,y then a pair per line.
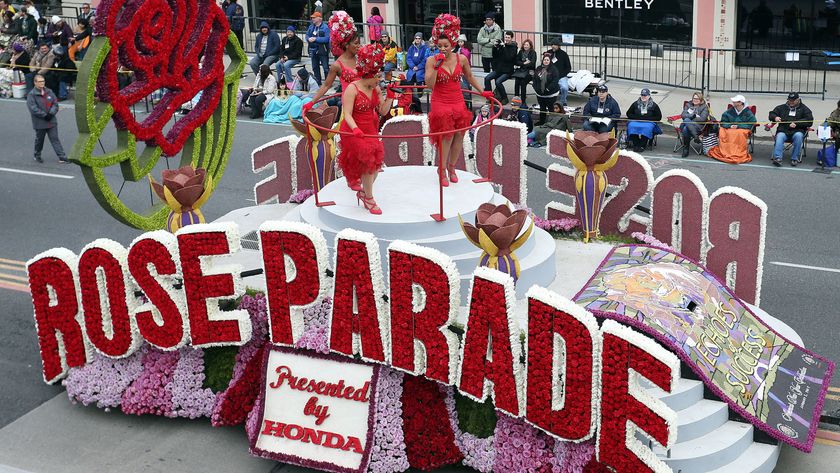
x,y
184,190
592,154
496,232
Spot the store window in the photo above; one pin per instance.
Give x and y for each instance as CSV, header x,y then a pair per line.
x,y
788,24
657,20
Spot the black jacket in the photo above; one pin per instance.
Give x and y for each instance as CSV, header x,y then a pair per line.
x,y
802,116
561,61
292,47
547,85
653,112
504,57
522,56
611,108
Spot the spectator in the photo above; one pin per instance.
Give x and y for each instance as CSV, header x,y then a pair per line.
x,y
30,8
644,115
792,119
305,85
483,115
463,47
504,57
601,111
43,107
39,65
520,114
267,48
18,64
265,87
86,14
557,121
526,62
318,37
43,28
6,7
291,48
375,22
62,73
59,31
20,59
416,60
834,123
546,86
564,66
81,41
488,37
736,123
27,25
694,116
9,29
236,18
391,49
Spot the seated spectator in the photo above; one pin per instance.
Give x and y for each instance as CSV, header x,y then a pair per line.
x,y
736,124
520,113
304,85
18,64
43,28
463,46
39,64
416,60
558,120
391,49
267,47
694,116
30,8
644,125
59,31
483,115
81,41
62,73
504,58
20,59
792,120
546,86
834,123
601,111
27,24
265,86
291,49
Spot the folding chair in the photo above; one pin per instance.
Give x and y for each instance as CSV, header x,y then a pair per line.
x,y
788,143
753,129
696,146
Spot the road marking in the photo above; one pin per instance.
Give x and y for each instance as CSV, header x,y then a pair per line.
x,y
805,266
14,286
713,161
13,278
831,443
12,261
13,268
833,389
833,397
828,435
36,173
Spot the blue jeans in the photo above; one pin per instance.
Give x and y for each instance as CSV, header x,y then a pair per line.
x,y
781,138
287,66
564,90
62,90
319,61
258,60
500,80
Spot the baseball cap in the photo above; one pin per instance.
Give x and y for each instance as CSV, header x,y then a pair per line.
x,y
317,14
793,95
602,88
739,98
645,92
418,35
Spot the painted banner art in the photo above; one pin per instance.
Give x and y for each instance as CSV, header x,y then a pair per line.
x,y
776,384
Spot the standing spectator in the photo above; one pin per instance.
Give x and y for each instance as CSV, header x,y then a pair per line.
x,y
391,49
564,66
62,73
86,14
28,25
603,106
291,48
59,31
546,86
43,106
318,37
694,116
504,57
416,60
42,31
265,86
236,18
375,22
526,62
645,114
793,119
267,48
489,36
39,65
30,8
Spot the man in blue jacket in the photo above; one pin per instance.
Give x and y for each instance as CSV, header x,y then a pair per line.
x,y
416,60
318,38
267,48
236,18
601,107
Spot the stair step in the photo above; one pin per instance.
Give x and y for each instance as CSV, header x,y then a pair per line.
x,y
713,450
686,393
698,420
758,458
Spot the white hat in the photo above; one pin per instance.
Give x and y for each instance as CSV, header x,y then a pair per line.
x,y
463,38
739,98
55,19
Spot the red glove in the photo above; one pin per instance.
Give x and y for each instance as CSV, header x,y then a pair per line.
x,y
308,106
488,94
439,57
358,133
389,92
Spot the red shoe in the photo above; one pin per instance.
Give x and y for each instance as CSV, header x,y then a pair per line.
x,y
443,179
369,203
453,178
355,185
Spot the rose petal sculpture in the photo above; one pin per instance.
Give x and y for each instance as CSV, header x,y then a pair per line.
x,y
497,232
320,147
592,154
184,190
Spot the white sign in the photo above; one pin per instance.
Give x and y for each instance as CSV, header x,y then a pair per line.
x,y
622,4
316,411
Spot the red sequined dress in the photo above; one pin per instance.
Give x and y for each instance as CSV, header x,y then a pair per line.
x,y
362,155
448,109
348,75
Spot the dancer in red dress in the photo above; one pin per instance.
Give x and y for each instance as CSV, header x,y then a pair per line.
x,y
362,152
448,109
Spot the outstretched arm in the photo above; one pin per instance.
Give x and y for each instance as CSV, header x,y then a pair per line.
x,y
335,70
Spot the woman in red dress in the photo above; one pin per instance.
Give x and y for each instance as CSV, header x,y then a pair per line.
x,y
448,109
362,152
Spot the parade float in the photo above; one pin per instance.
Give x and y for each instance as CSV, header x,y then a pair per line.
x,y
350,342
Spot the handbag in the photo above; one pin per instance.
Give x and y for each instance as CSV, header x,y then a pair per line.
x,y
709,141
520,74
828,156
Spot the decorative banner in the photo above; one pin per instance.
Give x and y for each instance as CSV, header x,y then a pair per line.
x,y
316,411
775,384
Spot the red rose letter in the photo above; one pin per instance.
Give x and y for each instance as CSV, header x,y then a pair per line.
x,y
210,326
491,329
54,296
624,400
297,285
421,340
358,278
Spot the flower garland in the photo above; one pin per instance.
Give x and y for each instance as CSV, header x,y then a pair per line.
x,y
189,398
148,393
573,457
389,450
559,225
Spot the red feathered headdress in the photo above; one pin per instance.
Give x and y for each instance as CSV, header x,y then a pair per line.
x,y
342,30
446,26
370,60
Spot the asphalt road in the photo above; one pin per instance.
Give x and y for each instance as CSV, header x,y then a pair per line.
x,y
54,207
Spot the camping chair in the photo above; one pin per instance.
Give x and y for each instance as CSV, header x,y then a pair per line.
x,y
697,147
623,137
751,140
788,142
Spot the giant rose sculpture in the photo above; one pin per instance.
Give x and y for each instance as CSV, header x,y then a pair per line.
x,y
173,48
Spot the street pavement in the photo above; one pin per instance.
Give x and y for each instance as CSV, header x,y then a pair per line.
x,y
49,205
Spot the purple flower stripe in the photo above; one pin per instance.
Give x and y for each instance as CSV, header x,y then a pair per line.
x,y
478,452
103,380
388,453
189,398
520,447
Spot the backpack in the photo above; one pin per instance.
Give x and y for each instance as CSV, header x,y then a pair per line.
x,y
237,20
